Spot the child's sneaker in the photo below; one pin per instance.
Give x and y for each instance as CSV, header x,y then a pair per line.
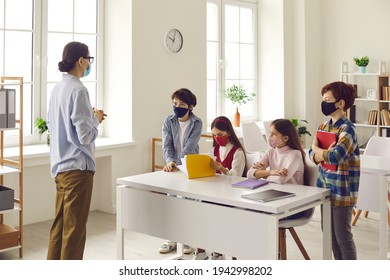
x,y
167,246
187,249
200,254
216,256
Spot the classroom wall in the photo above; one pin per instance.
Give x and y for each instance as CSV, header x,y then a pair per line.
x,y
302,45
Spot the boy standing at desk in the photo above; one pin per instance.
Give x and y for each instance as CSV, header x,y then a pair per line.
x,y
180,136
343,154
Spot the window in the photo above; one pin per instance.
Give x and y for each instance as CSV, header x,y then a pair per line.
x,y
231,55
16,48
31,44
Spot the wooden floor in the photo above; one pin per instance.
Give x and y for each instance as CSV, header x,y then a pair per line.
x,y
101,240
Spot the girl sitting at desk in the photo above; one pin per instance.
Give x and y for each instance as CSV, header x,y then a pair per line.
x,y
230,160
285,161
227,149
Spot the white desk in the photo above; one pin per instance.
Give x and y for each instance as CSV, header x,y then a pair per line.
x,y
229,224
380,166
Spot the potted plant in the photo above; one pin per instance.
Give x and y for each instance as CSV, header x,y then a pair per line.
x,y
42,127
301,128
237,95
362,63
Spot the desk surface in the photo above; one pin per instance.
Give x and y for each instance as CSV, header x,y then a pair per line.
x,y
218,189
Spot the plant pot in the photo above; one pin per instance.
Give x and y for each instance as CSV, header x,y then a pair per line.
x,y
236,118
362,69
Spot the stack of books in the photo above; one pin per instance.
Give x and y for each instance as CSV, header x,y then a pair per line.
x,y
385,117
373,117
386,93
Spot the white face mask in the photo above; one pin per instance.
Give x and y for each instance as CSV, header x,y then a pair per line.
x,y
275,142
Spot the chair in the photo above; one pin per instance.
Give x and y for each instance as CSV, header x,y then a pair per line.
x,y
253,139
157,160
266,125
368,194
290,224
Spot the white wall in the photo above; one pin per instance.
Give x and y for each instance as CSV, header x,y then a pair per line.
x,y
141,75
271,59
354,28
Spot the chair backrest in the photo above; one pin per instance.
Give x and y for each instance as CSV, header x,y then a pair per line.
x,y
378,146
368,198
266,125
312,170
253,139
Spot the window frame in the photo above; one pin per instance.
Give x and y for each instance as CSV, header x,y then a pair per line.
x,y
39,67
221,75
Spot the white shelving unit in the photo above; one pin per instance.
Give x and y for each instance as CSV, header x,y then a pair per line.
x,y
359,113
11,237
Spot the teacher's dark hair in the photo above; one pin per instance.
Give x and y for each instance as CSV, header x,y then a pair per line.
x,y
71,53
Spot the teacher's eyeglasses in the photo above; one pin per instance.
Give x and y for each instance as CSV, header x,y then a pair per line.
x,y
90,59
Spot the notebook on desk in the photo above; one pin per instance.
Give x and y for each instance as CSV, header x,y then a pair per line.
x,y
250,183
267,195
197,166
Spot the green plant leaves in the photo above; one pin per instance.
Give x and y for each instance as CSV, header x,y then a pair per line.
x,y
237,95
41,125
301,129
361,61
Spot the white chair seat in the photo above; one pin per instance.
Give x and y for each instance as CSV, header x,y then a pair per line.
x,y
288,223
293,223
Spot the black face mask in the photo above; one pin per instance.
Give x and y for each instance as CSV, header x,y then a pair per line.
x,y
328,107
180,112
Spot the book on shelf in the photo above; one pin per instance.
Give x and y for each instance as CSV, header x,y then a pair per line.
x,y
250,183
373,117
385,93
197,166
352,113
355,86
385,117
325,139
7,108
3,108
385,132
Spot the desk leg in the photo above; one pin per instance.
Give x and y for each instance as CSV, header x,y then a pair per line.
x,y
383,237
326,232
119,228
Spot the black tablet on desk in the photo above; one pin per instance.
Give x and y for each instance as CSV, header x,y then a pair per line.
x,y
267,195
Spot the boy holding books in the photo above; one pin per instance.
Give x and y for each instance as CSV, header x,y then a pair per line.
x,y
340,165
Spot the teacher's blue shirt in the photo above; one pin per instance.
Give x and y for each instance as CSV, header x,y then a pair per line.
x,y
72,127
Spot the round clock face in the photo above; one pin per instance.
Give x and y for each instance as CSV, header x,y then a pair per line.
x,y
173,40
371,93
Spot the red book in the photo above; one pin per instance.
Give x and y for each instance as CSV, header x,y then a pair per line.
x,y
325,139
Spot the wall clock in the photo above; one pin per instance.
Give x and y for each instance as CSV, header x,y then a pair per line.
x,y
371,93
173,40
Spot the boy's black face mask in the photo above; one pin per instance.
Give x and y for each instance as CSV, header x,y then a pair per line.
x,y
328,108
180,112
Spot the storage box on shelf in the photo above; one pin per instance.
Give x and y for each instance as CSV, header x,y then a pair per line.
x,y
370,111
11,196
6,198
